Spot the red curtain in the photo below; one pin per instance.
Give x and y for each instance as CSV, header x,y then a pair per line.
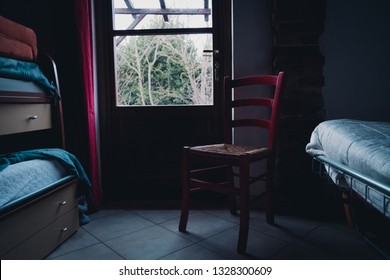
x,y
84,28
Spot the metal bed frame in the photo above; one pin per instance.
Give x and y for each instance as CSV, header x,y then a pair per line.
x,y
382,246
369,183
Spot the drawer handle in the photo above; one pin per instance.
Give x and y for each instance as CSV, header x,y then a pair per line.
x,y
63,203
64,229
34,117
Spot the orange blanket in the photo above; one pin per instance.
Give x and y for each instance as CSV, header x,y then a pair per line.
x,y
17,41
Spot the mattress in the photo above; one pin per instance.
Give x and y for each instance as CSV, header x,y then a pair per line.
x,y
357,156
68,161
13,85
26,71
21,180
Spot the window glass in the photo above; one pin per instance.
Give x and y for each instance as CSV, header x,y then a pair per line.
x,y
159,70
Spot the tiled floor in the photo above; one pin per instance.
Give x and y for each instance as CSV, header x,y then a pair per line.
x,y
153,234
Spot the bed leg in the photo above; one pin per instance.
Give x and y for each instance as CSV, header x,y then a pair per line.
x,y
347,210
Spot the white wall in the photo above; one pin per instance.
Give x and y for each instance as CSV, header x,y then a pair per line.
x,y
356,45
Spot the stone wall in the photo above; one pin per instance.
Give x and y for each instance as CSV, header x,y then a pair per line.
x,y
297,27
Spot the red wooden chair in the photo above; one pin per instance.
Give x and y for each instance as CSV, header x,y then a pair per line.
x,y
199,162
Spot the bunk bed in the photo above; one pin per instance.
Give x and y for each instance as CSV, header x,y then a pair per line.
x,y
41,184
355,155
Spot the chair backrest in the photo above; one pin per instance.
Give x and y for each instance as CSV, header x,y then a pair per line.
x,y
233,101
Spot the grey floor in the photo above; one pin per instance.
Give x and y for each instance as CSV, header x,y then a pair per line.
x,y
153,234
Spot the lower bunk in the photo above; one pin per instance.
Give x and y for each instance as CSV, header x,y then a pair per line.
x,y
40,196
32,228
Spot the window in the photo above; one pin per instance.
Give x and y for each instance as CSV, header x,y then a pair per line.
x,y
164,52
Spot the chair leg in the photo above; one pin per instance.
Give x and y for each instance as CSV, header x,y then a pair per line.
x,y
269,207
269,214
232,196
244,206
232,204
185,207
184,214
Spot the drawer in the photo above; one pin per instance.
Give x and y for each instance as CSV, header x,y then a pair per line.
x,y
16,118
46,240
19,226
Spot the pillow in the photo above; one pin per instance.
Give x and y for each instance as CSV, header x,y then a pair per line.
x,y
19,36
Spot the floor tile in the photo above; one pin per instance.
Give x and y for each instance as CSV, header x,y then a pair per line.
x,y
285,228
225,214
158,216
79,240
200,226
95,252
148,244
337,242
118,224
260,245
212,234
104,213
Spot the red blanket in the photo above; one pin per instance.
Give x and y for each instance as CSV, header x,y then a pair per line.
x,y
17,41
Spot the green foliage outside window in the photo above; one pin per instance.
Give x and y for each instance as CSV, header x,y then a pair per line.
x,y
162,70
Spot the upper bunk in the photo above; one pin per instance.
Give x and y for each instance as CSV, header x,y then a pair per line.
x,y
30,100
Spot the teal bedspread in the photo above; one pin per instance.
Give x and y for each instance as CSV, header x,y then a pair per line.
x,y
67,160
27,71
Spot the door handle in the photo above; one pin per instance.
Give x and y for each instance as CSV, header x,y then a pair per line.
x,y
216,62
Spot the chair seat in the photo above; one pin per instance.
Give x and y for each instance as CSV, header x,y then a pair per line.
x,y
231,151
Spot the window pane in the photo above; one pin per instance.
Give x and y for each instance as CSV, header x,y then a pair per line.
x,y
163,70
156,14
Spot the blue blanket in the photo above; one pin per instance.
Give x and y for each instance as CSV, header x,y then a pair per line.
x,y
27,71
67,160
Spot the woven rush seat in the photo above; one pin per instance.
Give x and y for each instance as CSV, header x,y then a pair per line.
x,y
231,151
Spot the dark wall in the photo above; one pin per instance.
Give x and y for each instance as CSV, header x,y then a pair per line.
x,y
55,27
356,44
297,27
252,55
252,37
34,14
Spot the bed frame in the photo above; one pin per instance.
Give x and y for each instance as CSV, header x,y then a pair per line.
x,y
370,220
33,228
355,176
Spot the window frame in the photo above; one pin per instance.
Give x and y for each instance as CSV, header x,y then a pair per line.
x,y
166,31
